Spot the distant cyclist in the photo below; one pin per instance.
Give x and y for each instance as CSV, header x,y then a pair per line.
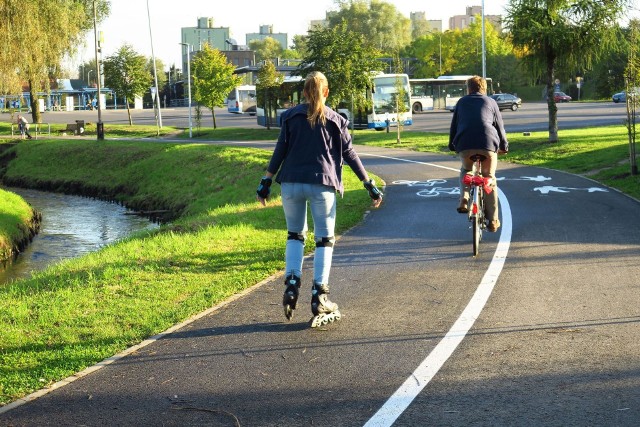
x,y
314,143
477,128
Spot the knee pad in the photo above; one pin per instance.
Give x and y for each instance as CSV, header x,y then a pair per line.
x,y
296,236
325,242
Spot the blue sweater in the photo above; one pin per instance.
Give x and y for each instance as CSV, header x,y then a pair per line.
x,y
314,155
477,124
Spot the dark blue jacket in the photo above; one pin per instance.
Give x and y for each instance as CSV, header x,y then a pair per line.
x,y
314,155
477,124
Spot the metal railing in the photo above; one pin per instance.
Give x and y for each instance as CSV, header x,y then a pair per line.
x,y
36,127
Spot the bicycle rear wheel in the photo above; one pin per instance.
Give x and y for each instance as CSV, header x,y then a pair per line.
x,y
477,234
475,218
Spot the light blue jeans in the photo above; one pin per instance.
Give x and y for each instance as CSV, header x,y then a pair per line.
x,y
322,201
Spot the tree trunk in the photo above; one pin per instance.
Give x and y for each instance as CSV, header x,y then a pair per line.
x,y
126,101
551,103
213,114
35,108
267,110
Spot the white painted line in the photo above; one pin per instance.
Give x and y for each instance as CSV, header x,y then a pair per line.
x,y
424,373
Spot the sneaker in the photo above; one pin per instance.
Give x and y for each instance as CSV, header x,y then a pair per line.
x,y
464,206
493,225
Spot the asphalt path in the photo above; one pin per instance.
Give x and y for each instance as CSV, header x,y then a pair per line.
x,y
541,329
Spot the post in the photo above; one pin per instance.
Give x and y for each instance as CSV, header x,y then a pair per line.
x,y
440,34
99,125
156,95
188,46
484,61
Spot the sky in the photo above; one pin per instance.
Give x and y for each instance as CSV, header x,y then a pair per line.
x,y
129,21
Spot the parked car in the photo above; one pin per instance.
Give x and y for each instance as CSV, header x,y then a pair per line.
x,y
561,97
622,96
507,101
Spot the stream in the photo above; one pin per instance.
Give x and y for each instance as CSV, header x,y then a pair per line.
x,y
71,226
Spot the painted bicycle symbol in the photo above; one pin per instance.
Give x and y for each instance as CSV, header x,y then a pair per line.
x,y
430,187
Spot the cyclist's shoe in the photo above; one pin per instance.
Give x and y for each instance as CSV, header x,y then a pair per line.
x,y
290,297
324,311
464,206
493,225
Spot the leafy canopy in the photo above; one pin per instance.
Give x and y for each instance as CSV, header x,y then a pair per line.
x,y
213,78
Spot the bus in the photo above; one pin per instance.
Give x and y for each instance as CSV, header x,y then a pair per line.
x,y
440,94
242,100
384,95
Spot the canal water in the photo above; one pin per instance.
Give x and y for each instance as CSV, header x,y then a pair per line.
x,y
71,226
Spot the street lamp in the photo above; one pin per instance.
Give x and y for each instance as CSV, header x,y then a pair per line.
x,y
156,95
188,46
99,125
89,77
484,59
440,35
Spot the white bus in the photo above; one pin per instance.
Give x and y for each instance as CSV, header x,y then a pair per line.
x,y
440,94
389,96
242,100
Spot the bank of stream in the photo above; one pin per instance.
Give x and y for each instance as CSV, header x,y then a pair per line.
x,y
71,226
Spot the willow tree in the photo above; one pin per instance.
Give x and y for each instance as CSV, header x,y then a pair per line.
x,y
567,34
632,83
37,36
213,78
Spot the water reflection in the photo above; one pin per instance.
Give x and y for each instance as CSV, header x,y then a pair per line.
x,y
71,226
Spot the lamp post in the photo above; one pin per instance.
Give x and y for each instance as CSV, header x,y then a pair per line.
x,y
484,60
89,77
156,95
99,125
440,35
188,46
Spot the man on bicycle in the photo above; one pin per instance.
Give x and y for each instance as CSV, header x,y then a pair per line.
x,y
477,128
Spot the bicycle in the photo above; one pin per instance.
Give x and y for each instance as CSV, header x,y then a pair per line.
x,y
479,185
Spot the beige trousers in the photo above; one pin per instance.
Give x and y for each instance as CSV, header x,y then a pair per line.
x,y
489,165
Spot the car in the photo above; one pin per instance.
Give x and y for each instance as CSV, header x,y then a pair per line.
x,y
561,97
622,96
507,101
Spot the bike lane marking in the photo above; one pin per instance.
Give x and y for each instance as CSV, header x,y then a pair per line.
x,y
429,367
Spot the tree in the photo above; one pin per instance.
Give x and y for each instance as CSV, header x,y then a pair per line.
x,y
632,77
348,61
213,78
266,49
381,24
126,73
566,34
268,80
34,43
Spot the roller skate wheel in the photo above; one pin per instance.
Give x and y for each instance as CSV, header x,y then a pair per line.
x,y
325,319
288,312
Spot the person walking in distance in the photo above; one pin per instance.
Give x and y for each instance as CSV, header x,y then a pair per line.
x,y
314,143
23,126
477,128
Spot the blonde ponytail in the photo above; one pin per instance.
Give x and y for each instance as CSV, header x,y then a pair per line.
x,y
314,87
